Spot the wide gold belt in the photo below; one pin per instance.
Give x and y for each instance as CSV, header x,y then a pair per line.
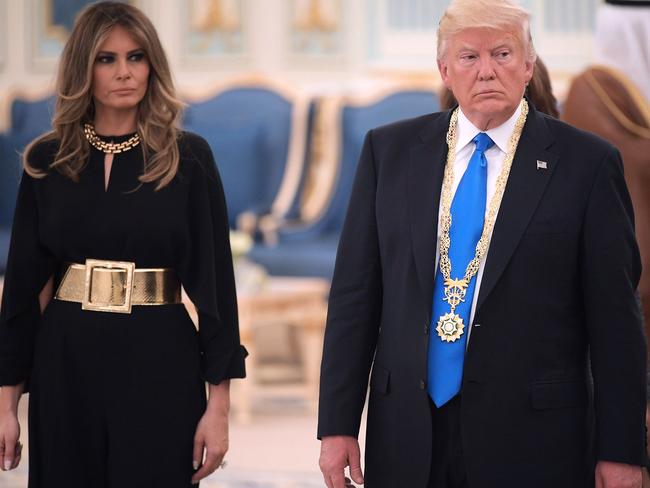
x,y
114,286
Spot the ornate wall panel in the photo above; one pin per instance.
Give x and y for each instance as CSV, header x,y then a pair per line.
x,y
401,33
413,15
560,16
51,23
317,29
214,30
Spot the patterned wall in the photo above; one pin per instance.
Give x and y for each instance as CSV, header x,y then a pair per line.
x,y
51,23
418,15
562,29
555,15
399,33
575,16
316,27
319,41
214,28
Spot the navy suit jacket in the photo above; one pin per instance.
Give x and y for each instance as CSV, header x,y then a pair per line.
x,y
557,296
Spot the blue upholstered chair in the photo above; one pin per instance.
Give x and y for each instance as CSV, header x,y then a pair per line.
x,y
29,119
8,188
258,135
309,248
32,117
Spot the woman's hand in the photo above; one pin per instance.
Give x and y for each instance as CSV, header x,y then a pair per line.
x,y
10,446
211,436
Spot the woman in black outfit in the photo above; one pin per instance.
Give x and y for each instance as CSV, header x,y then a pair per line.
x,y
117,209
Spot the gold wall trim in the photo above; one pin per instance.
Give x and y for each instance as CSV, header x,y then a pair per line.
x,y
326,157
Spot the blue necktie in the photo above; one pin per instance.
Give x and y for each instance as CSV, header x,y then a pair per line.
x,y
445,362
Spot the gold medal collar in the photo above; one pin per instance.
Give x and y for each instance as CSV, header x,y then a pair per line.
x,y
450,326
109,147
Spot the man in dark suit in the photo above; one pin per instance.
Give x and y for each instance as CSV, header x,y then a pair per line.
x,y
487,258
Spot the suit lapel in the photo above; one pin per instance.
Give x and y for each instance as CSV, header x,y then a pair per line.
x,y
426,171
525,187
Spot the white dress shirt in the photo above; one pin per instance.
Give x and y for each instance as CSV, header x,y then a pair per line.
x,y
495,156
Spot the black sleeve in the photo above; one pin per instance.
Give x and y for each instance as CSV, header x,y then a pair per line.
x,y
611,269
29,266
206,271
354,309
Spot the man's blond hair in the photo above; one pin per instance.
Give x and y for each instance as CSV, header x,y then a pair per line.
x,y
505,15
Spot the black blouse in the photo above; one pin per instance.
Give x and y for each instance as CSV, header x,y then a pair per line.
x,y
183,226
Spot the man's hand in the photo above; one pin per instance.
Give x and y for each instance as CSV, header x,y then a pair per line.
x,y
337,452
617,475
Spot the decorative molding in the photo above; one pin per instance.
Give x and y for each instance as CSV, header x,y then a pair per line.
x,y
325,158
403,36
402,33
215,31
213,89
564,32
561,17
47,31
50,24
316,31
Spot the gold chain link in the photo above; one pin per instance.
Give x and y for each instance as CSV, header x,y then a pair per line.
x,y
109,147
445,220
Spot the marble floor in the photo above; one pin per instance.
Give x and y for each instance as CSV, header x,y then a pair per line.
x,y
277,449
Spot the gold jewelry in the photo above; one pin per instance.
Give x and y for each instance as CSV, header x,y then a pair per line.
x,y
109,147
450,326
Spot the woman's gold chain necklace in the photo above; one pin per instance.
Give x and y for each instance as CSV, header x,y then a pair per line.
x,y
450,326
109,147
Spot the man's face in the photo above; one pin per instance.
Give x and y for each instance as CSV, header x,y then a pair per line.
x,y
487,70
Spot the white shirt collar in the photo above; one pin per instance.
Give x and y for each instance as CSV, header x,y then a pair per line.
x,y
500,135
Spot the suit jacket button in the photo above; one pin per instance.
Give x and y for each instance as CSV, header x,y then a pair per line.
x,y
423,385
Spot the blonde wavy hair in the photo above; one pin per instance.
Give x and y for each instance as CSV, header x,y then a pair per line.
x,y
504,15
158,112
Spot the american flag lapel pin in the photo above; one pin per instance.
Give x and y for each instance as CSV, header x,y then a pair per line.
x,y
542,164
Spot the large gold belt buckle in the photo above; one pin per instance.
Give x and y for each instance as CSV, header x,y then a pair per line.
x,y
110,306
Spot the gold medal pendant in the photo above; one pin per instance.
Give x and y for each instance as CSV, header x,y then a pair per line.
x,y
450,327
